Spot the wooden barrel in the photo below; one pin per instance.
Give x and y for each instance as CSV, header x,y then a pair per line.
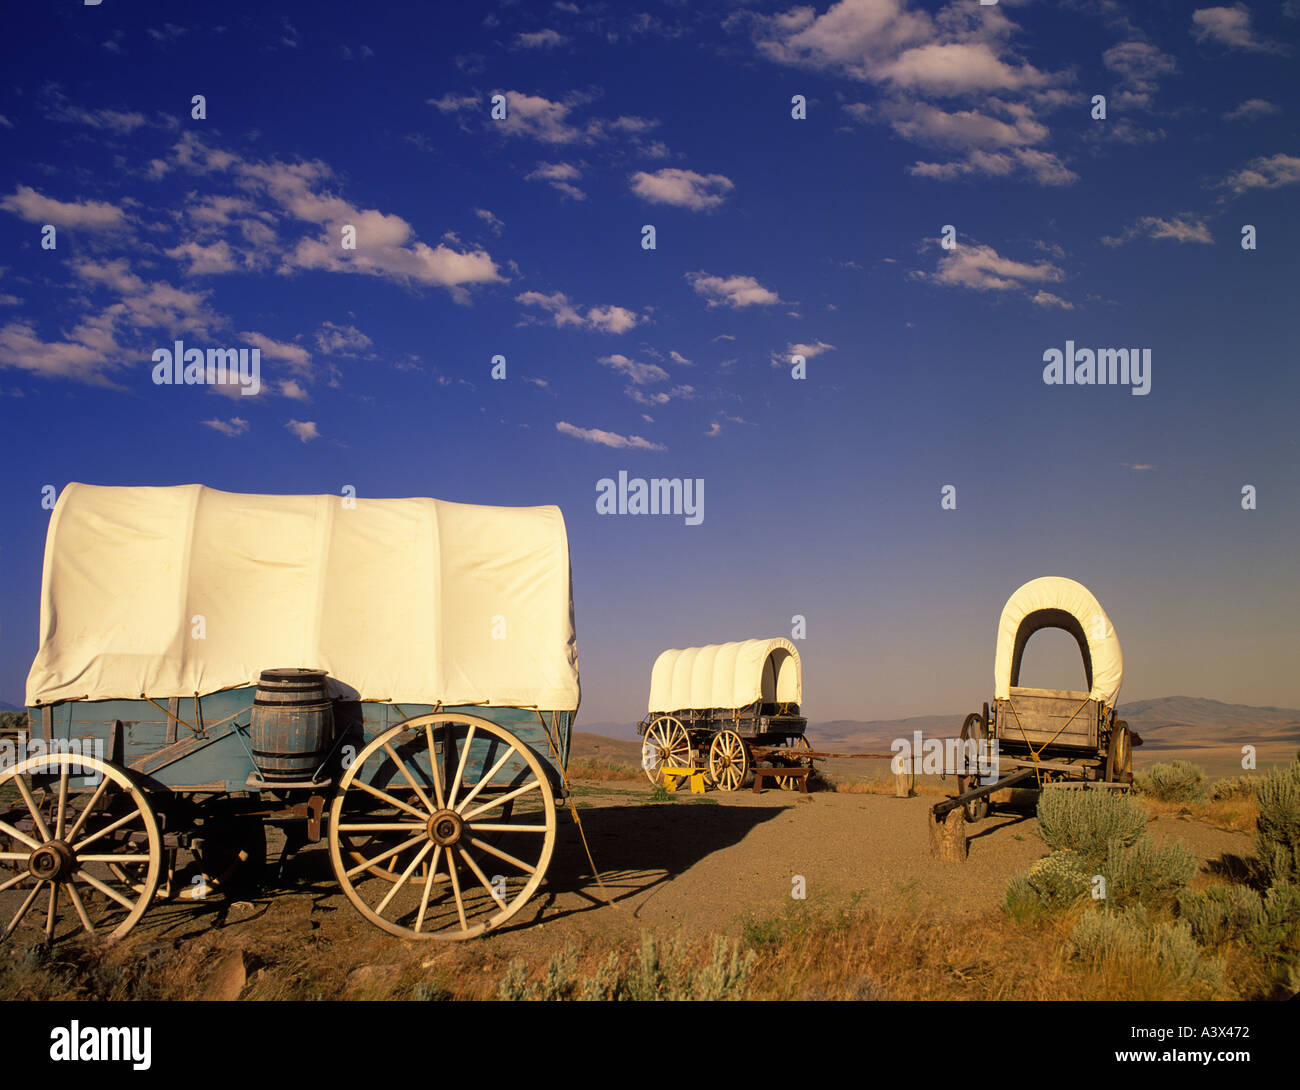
x,y
293,723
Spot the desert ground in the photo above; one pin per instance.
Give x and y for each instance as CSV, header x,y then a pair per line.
x,y
688,866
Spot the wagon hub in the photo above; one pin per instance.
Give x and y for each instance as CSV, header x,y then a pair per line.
x,y
446,828
54,861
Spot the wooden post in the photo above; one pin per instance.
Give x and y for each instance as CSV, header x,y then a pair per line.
x,y
902,785
948,836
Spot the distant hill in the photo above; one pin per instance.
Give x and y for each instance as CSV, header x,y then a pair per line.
x,y
1178,721
1171,722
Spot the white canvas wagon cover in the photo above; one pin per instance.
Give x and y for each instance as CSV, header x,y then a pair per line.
x,y
726,675
1054,602
175,591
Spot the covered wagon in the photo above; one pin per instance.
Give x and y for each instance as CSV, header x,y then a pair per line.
x,y
723,707
398,676
1049,735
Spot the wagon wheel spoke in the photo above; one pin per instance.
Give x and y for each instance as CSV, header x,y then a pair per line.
x,y
379,826
17,880
33,808
460,768
505,856
23,910
391,800
62,812
433,766
406,876
487,779
406,772
391,852
52,914
100,791
428,883
111,828
22,838
455,889
532,785
492,892
105,889
75,897
480,827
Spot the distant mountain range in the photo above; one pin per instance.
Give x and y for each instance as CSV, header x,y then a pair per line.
x,y
1171,722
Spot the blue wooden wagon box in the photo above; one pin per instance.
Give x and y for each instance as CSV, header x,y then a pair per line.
x,y
398,677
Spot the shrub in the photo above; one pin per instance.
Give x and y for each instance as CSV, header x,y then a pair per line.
x,y
1220,913
1087,822
1178,781
666,971
1055,881
1127,937
1147,872
1278,826
1234,787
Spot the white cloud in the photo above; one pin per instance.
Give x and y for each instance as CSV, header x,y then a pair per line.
x,y
385,244
1265,172
297,357
1251,109
559,176
640,374
1047,299
732,291
495,225
1140,67
677,357
341,340
982,268
205,260
607,438
304,429
35,208
540,39
1183,227
609,319
1230,27
548,121
683,188
917,61
807,351
291,389
661,397
231,428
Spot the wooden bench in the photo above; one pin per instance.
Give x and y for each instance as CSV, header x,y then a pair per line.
x,y
673,775
800,774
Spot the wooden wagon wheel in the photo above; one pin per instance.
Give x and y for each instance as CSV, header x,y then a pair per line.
x,y
96,856
728,760
1119,755
790,783
973,730
666,743
462,772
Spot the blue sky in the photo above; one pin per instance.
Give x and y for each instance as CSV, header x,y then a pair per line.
x,y
523,237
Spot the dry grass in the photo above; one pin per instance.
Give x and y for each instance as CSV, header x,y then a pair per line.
x,y
1236,815
593,768
811,952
